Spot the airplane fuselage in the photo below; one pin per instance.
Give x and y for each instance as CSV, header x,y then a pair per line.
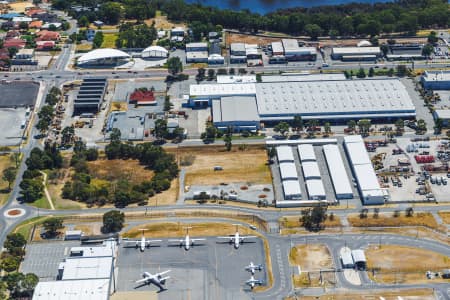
x,y
237,240
187,243
142,246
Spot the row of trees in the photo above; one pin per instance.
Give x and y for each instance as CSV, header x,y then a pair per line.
x,y
135,36
14,284
343,20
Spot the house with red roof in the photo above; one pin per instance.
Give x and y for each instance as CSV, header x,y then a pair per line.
x,y
45,45
14,43
142,97
36,24
45,35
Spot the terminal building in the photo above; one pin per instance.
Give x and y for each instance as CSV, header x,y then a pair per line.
x,y
438,80
325,100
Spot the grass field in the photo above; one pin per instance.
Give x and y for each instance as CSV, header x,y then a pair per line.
x,y
5,162
403,264
109,40
238,166
413,294
445,216
388,220
83,47
59,202
41,203
294,222
24,228
172,229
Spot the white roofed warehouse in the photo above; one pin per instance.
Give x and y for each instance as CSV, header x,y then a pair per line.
x,y
155,52
338,174
104,57
332,100
291,189
284,154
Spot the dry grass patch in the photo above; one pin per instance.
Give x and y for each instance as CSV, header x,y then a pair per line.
x,y
413,294
89,229
388,220
161,22
238,166
83,47
119,169
311,257
20,6
295,221
403,264
166,197
445,216
173,229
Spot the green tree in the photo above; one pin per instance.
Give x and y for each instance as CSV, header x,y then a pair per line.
x,y
297,123
111,12
98,40
351,125
313,31
211,74
399,126
31,189
364,126
421,126
28,283
115,135
427,50
113,221
160,130
200,74
14,240
67,135
401,70
432,38
174,65
384,49
10,263
282,128
371,72
83,21
167,104
312,219
361,73
327,128
9,175
228,138
52,225
210,133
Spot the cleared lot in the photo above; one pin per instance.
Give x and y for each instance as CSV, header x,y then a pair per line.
x,y
238,166
422,294
401,264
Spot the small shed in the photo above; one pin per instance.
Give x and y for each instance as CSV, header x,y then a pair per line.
x,y
359,258
446,273
72,235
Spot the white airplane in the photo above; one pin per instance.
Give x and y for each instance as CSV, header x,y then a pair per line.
x,y
252,268
156,279
252,282
237,239
187,242
142,243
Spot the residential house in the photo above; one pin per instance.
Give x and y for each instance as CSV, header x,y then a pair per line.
x,y
45,35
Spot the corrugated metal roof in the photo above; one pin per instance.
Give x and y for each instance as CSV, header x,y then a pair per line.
x,y
288,171
358,256
291,188
365,175
97,289
315,189
311,170
306,152
87,268
284,153
357,153
337,170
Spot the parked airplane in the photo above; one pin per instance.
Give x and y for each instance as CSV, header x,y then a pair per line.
x,y
252,268
156,279
252,282
187,242
142,243
237,239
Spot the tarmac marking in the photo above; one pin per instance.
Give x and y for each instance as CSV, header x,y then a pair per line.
x,y
280,267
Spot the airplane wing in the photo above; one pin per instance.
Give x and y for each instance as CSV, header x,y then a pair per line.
x,y
130,241
162,273
247,237
225,237
175,241
148,242
142,280
197,240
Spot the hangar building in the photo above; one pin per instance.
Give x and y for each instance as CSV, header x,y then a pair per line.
x,y
104,57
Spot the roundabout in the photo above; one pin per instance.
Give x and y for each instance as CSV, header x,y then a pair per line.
x,y
14,213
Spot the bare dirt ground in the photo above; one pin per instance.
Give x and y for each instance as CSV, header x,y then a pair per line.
x,y
311,257
89,229
167,197
161,23
404,264
20,6
238,166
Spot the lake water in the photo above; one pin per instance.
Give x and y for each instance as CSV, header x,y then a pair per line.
x,y
266,6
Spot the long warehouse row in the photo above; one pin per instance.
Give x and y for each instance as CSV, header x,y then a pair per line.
x,y
311,172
